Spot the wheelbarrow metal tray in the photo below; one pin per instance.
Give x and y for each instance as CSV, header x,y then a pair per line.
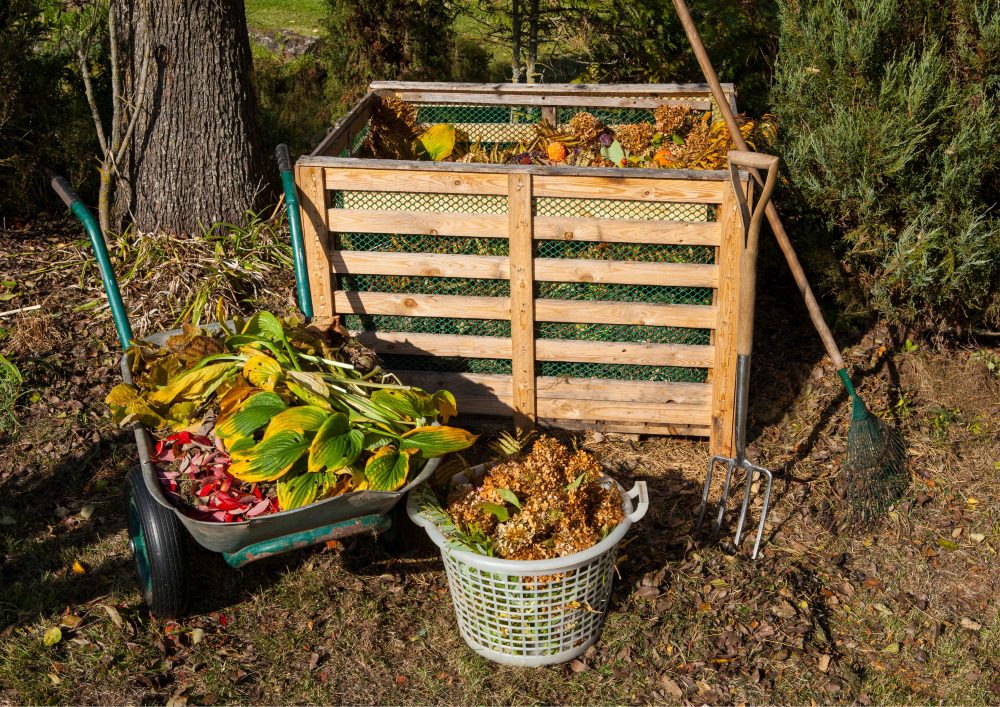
x,y
232,537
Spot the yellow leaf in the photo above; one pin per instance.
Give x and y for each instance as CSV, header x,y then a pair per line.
x,y
52,636
262,371
70,621
191,384
79,568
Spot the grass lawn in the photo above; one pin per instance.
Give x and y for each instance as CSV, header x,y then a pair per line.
x,y
299,16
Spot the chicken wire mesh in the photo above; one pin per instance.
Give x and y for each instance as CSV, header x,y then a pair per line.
x,y
504,125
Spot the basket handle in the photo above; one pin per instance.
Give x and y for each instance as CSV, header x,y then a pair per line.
x,y
639,491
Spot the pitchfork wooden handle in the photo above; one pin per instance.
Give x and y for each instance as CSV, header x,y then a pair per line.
x,y
751,225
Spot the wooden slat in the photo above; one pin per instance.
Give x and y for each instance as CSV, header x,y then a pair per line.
x,y
637,428
419,223
643,174
313,207
625,352
522,300
551,89
648,102
546,227
566,228
637,402
448,182
546,269
492,267
412,180
584,312
672,190
724,335
347,127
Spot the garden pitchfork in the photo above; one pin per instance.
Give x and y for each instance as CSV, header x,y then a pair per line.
x,y
744,345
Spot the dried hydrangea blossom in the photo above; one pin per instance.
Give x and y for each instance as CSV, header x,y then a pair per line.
x,y
636,138
564,508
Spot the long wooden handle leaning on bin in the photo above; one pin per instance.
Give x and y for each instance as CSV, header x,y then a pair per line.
x,y
772,213
751,224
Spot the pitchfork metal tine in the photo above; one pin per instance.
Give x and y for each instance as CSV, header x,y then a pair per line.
x,y
750,469
763,511
730,466
704,492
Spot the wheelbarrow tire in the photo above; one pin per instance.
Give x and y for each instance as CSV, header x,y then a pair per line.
x,y
157,542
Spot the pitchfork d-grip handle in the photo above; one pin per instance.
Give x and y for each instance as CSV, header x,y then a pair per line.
x,y
751,225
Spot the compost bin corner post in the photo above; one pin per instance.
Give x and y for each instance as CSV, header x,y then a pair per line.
x,y
314,205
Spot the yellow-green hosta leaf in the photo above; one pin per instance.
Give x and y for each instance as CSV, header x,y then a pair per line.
x,y
270,459
307,396
193,384
266,326
253,414
412,403
445,403
336,445
262,371
303,418
436,441
299,490
387,470
438,141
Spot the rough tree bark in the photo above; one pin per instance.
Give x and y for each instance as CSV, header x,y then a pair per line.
x,y
196,156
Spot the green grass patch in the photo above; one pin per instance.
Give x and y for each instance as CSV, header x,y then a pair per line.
x,y
299,16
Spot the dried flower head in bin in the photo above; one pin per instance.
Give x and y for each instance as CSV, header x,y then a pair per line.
x,y
586,126
672,120
548,503
636,138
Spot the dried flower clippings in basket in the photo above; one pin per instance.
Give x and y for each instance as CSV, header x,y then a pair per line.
x,y
562,518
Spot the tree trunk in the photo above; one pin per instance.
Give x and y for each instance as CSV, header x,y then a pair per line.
x,y
196,156
515,53
530,75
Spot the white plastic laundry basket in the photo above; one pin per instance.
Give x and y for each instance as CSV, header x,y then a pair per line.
x,y
530,613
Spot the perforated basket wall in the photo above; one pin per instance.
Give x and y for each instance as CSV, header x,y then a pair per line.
x,y
422,264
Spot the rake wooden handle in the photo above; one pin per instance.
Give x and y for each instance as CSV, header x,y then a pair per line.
x,y
815,314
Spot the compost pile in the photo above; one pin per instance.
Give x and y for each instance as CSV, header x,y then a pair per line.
x,y
269,415
680,138
548,503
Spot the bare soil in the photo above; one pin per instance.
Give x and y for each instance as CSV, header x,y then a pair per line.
x,y
902,612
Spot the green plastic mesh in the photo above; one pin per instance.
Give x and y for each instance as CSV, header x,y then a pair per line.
x,y
609,116
556,369
421,201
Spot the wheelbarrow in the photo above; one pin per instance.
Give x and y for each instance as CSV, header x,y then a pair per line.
x,y
155,534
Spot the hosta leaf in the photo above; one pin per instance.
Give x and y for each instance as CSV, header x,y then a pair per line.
x,y
376,439
256,412
311,381
180,414
266,326
412,403
271,458
387,470
299,490
304,418
438,141
262,371
192,384
239,446
435,441
231,400
336,445
445,403
307,396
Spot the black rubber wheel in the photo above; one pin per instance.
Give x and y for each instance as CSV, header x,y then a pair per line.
x,y
156,539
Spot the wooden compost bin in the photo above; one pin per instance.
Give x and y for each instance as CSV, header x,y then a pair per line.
x,y
574,296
